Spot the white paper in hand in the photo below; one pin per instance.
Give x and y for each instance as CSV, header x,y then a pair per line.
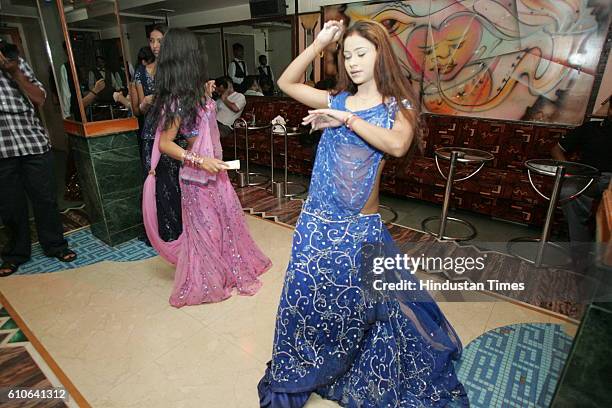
x,y
233,164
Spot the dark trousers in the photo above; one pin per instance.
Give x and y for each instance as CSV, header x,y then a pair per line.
x,y
224,130
579,212
31,175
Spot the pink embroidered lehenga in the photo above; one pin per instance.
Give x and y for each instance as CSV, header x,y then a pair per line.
x,y
215,254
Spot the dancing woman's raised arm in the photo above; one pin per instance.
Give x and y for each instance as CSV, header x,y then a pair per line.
x,y
289,81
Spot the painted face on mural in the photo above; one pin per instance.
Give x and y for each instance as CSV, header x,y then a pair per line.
x,y
447,50
359,58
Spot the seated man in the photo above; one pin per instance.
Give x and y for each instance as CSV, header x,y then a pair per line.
x,y
26,167
229,105
252,86
593,142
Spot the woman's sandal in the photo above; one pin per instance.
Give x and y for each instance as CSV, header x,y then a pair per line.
x,y
65,255
7,269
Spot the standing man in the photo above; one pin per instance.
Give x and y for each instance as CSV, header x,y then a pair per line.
x,y
266,76
237,69
593,142
25,167
229,105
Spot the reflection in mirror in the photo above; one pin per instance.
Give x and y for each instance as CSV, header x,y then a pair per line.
x,y
257,54
102,76
214,50
52,30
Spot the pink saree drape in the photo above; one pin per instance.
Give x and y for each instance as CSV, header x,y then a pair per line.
x,y
215,254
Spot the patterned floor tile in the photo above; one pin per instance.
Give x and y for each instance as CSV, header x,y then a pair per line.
x,y
514,366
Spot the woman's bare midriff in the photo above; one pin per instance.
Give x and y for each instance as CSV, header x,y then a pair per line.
x,y
371,206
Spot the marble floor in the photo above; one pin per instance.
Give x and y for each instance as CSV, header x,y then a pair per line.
x,y
110,329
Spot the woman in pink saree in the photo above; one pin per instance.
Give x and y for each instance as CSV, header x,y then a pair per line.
x,y
215,253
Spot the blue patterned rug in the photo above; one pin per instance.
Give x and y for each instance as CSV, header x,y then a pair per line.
x,y
514,366
90,250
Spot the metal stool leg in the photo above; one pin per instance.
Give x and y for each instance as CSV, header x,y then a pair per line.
x,y
242,175
543,239
246,152
549,214
447,194
444,218
286,181
277,187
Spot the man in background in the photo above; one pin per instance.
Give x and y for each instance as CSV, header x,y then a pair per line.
x,y
265,74
26,167
593,142
229,105
237,69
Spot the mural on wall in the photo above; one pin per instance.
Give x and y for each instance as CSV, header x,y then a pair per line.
x,y
308,29
531,60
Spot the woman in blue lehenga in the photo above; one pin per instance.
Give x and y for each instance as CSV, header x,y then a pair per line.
x,y
335,335
168,197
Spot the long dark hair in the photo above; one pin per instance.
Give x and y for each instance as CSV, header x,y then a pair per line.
x,y
387,73
145,54
162,28
180,80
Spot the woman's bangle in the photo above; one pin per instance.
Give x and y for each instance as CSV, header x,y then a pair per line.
x,y
348,120
193,159
94,92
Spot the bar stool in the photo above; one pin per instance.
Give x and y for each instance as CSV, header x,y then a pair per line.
x,y
561,171
282,189
244,177
455,155
394,214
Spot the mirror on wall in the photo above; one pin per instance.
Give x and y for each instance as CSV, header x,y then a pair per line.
x,y
266,53
214,50
253,54
102,75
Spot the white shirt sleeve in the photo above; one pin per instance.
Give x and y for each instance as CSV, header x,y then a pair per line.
x,y
92,80
231,71
239,100
64,90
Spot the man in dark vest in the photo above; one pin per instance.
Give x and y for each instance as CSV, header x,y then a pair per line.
x,y
266,76
237,69
112,79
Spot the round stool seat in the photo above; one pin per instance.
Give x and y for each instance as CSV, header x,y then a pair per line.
x,y
464,154
256,126
548,167
291,130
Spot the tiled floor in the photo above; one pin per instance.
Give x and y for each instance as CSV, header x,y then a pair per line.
x,y
107,323
110,329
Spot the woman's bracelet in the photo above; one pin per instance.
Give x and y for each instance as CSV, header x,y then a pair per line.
x,y
348,120
193,159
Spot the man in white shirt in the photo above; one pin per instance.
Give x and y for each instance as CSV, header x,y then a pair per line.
x,y
229,105
237,69
252,86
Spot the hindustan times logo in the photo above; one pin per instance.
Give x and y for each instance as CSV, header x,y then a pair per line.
x,y
429,263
